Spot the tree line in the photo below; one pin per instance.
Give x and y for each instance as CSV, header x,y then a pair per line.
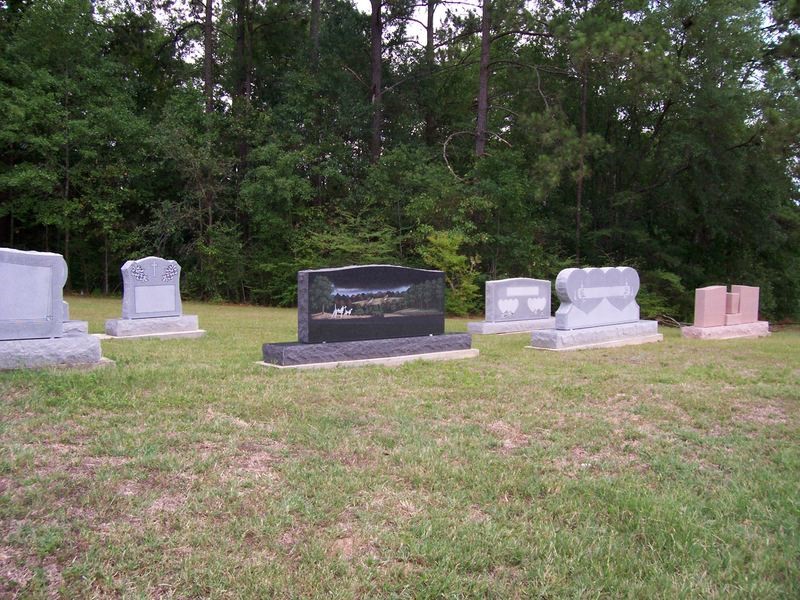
x,y
250,139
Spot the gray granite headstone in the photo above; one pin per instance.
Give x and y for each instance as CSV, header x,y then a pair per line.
x,y
596,297
368,302
517,299
31,297
151,288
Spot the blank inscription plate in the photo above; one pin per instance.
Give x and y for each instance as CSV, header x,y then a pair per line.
x,y
154,298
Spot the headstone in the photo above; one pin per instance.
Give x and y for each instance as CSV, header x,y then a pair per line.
x,y
352,316
369,302
34,328
719,314
31,300
151,288
514,305
594,297
598,309
151,302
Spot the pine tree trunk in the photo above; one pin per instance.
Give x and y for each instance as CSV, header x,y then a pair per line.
x,y
430,118
581,161
208,56
376,34
483,83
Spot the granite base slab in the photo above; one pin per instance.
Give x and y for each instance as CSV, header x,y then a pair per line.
x,y
75,327
727,332
392,361
607,336
78,351
296,353
493,327
185,326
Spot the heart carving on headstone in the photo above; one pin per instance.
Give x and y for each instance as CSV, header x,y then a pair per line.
x,y
586,288
508,306
536,304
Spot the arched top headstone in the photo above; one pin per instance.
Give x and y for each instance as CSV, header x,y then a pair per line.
x,y
31,294
594,297
151,288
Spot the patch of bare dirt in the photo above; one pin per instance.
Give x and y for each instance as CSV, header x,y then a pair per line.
x,y
167,503
609,459
15,573
763,415
511,437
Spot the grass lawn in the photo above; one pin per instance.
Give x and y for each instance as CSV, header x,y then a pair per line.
x,y
657,471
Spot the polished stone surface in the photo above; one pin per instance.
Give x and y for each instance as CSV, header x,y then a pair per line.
x,y
517,299
369,302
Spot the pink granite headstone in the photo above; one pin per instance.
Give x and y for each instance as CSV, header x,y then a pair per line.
x,y
748,302
709,306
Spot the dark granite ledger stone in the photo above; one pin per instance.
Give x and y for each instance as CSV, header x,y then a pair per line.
x,y
295,353
370,302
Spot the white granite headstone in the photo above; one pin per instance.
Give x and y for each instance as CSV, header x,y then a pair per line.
x,y
517,299
31,296
151,288
596,297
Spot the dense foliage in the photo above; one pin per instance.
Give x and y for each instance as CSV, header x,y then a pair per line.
x,y
248,140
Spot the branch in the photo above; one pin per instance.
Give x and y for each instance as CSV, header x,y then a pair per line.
x,y
521,32
357,76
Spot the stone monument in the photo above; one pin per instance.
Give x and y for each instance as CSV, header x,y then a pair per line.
x,y
515,305
720,314
35,330
368,314
598,309
151,302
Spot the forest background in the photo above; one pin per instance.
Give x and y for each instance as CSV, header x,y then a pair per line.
x,y
251,139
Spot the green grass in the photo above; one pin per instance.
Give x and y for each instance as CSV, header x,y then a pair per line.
x,y
658,471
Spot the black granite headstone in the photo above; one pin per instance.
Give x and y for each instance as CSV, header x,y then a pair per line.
x,y
369,302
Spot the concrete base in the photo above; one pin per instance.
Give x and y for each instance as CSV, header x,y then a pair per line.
x,y
295,353
392,361
79,351
726,332
185,326
607,336
492,327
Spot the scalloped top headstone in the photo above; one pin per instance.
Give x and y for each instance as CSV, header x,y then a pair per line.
x,y
31,294
368,302
151,288
594,297
517,299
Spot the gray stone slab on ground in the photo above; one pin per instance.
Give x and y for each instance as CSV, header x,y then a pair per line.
x,y
67,351
151,288
727,332
608,336
295,353
489,327
31,296
392,361
595,297
155,327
